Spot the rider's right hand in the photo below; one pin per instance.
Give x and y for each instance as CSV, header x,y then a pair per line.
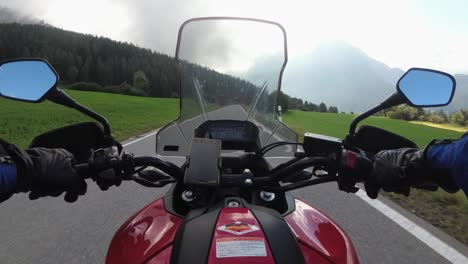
x,y
388,172
398,170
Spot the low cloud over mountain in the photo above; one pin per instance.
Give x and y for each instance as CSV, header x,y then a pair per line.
x,y
8,15
339,74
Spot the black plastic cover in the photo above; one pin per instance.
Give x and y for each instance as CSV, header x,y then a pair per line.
x,y
320,145
283,243
203,167
374,139
79,139
193,239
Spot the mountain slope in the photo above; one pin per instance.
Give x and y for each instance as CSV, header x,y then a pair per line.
x,y
335,73
340,75
460,99
86,58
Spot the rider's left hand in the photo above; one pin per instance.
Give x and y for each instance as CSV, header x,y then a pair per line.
x,y
47,172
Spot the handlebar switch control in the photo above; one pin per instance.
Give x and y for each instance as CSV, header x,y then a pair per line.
x,y
354,168
105,158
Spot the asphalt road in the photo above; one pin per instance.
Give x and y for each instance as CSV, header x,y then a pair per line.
x,y
50,230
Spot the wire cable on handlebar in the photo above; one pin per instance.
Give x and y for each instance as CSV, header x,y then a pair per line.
x,y
297,185
275,145
140,169
278,174
160,164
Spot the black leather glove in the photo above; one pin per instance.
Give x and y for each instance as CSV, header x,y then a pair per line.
x,y
388,172
46,172
54,174
398,170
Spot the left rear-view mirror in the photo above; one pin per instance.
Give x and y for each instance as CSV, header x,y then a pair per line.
x,y
426,88
26,79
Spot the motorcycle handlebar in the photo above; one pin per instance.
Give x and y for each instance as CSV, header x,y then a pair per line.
x,y
82,169
279,173
129,164
352,167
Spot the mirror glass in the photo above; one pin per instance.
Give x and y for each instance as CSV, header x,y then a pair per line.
x,y
26,80
423,87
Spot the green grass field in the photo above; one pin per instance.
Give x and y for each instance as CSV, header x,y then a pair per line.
x,y
337,125
128,115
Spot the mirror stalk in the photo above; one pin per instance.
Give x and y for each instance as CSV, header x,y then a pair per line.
x,y
393,100
58,96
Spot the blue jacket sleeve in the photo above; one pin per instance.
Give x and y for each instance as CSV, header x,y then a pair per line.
x,y
7,179
453,156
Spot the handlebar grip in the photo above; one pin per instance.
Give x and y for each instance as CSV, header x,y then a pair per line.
x,y
355,167
358,163
82,170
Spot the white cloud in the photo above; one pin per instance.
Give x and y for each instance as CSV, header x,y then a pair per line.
x,y
395,32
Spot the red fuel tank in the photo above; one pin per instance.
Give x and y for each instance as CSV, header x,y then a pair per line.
x,y
238,237
148,235
320,238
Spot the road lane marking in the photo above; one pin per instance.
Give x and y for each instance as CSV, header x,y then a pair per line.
x,y
420,233
138,139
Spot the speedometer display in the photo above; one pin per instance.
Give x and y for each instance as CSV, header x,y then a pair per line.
x,y
234,134
228,132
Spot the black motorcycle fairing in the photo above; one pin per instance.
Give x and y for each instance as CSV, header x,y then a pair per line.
x,y
194,237
374,139
282,242
78,138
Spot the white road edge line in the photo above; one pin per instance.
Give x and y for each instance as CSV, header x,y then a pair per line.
x,y
427,238
420,233
138,139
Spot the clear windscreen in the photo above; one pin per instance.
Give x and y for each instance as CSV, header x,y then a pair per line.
x,y
230,70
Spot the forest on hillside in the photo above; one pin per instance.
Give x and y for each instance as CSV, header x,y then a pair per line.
x,y
86,62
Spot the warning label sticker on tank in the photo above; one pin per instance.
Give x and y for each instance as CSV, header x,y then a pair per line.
x,y
240,247
238,228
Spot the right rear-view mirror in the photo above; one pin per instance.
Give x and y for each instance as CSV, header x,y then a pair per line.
x,y
418,87
426,88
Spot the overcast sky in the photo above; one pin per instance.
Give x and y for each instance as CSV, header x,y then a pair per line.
x,y
400,33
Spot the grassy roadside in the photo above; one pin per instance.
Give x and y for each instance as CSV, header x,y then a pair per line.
x,y
442,126
336,125
128,115
447,211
